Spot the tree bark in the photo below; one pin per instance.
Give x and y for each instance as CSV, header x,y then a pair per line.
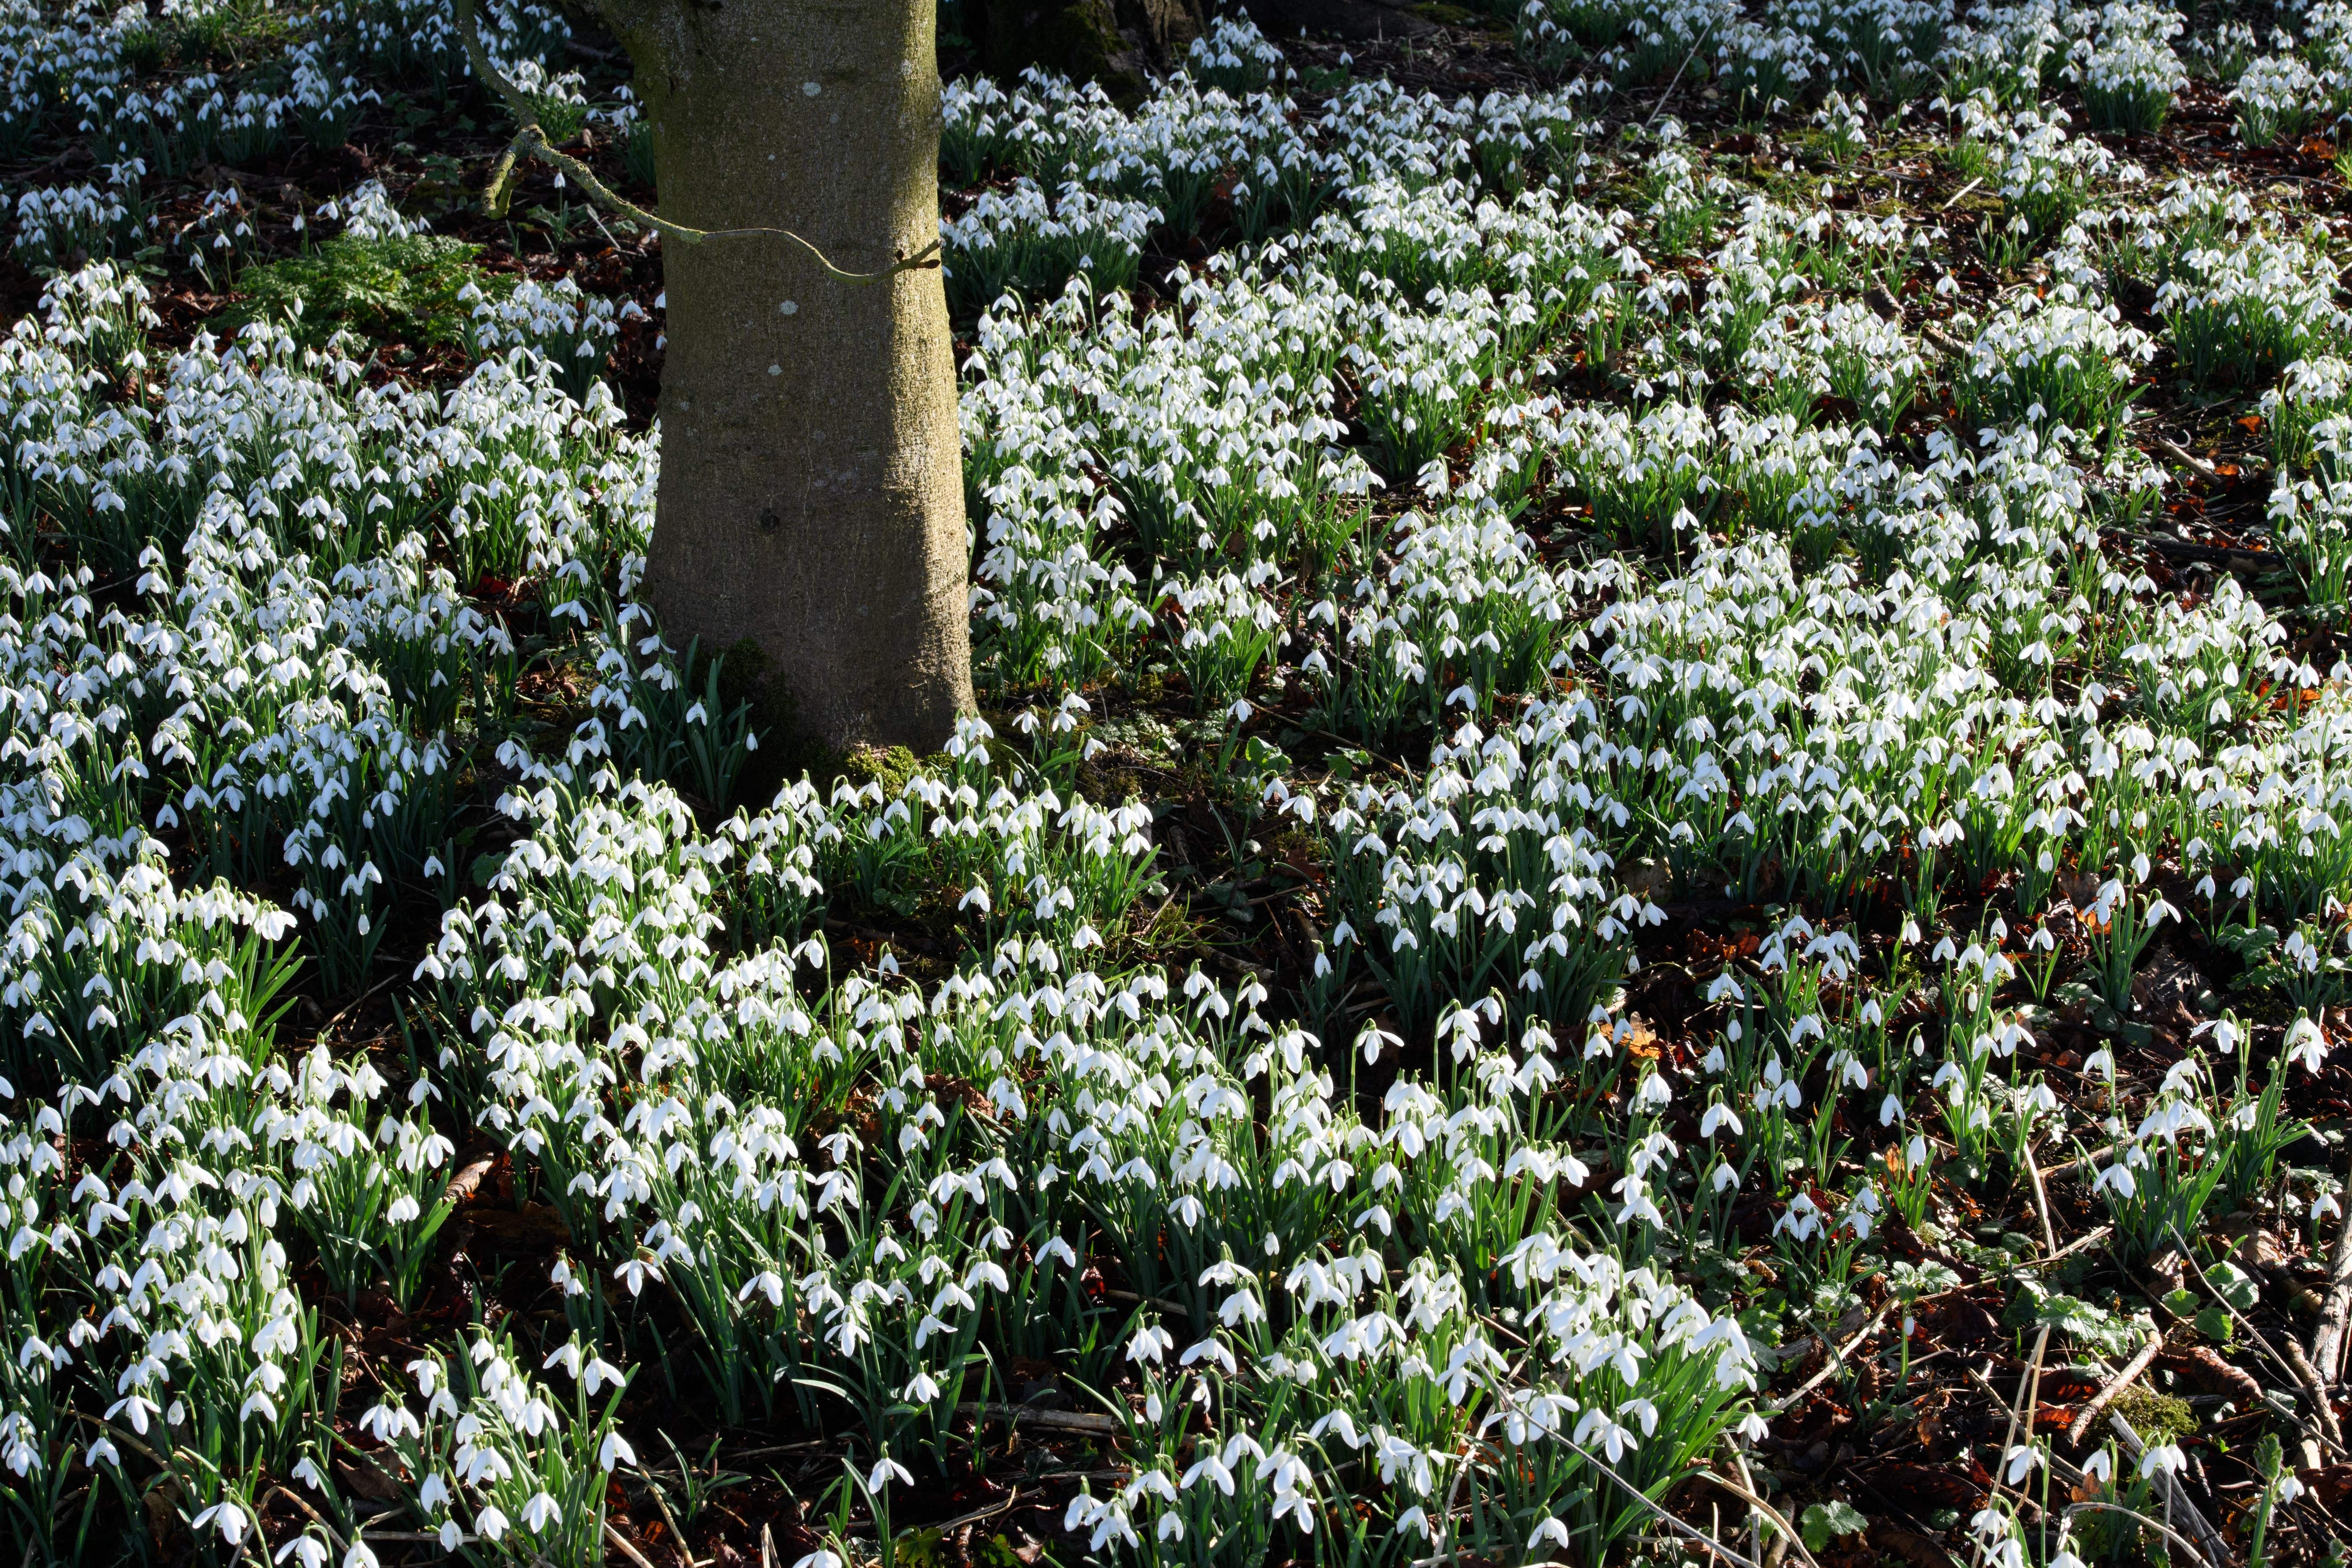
x,y
812,493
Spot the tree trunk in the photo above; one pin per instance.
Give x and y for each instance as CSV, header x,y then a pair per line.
x,y
812,491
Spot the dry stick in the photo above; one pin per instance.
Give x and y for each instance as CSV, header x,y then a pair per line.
x,y
1780,1523
2041,1200
2175,1496
1054,1420
1964,190
2169,1533
2180,453
531,141
2121,1381
2084,1163
2310,1378
111,1430
2088,1238
627,1551
1754,1521
291,1496
328,1028
2329,1431
991,1511
661,1501
1688,1531
2029,1389
2328,1339
1836,1359
1659,107
1453,1553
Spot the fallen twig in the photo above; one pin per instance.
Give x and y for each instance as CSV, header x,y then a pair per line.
x,y
333,1539
1788,1532
2297,1368
2210,1548
2155,1524
328,1028
1052,1420
627,1551
2088,1238
2328,1339
1941,339
2115,1385
2029,1392
1833,1361
2041,1200
2183,456
1011,1500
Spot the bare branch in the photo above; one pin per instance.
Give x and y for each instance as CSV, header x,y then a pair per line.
x,y
531,142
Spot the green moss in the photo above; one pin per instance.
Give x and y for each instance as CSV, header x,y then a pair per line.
x,y
403,288
2156,1417
224,36
889,767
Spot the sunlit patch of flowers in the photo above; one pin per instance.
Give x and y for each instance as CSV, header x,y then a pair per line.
x,y
2125,66
572,329
2278,99
1598,520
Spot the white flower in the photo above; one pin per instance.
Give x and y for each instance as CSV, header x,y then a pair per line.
x,y
2305,1043
226,1517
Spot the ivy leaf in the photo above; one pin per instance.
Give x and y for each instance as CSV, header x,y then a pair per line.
x,y
1823,1520
2234,1285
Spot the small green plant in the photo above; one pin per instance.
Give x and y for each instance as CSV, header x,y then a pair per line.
x,y
2119,931
637,152
1824,1519
400,287
2268,1460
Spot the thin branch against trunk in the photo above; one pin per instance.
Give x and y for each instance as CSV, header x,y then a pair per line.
x,y
531,142
809,523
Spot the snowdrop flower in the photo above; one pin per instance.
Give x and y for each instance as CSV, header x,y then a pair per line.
x,y
2306,1045
225,1517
